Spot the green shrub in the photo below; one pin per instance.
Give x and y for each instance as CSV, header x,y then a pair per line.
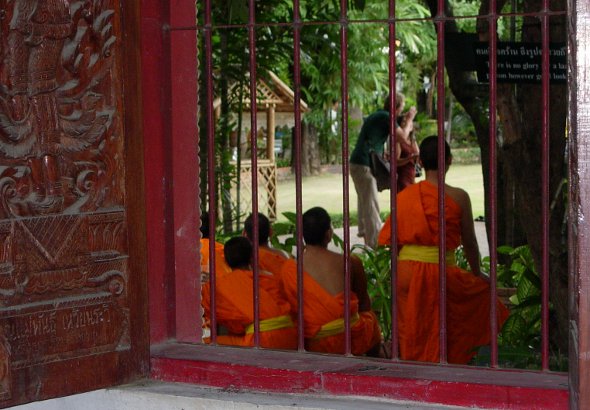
x,y
466,155
287,230
519,342
282,229
377,264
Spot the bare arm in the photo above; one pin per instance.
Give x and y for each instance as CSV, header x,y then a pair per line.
x,y
468,237
405,128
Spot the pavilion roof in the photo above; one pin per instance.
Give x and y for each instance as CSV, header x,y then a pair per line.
x,y
271,91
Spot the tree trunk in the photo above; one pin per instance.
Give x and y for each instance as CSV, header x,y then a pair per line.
x,y
520,113
310,151
521,117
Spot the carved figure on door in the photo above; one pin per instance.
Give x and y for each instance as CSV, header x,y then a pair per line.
x,y
43,116
37,33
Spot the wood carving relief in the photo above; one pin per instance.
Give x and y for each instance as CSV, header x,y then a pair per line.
x,y
58,135
63,238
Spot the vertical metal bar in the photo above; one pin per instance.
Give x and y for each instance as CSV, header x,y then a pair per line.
x,y
492,55
545,189
298,176
440,82
344,86
254,150
392,191
207,32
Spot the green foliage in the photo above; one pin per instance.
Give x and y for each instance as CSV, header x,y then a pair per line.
x,y
461,262
425,126
338,220
466,156
463,130
283,229
283,163
523,327
519,342
465,8
377,264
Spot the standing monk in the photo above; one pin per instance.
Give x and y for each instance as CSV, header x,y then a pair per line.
x,y
235,303
468,293
323,293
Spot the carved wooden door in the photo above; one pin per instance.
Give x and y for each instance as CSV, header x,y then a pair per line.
x,y
69,298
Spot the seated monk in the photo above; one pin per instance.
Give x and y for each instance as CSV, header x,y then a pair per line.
x,y
221,266
235,303
269,259
323,293
468,293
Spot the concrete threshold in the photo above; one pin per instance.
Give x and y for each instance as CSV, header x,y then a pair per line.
x,y
155,395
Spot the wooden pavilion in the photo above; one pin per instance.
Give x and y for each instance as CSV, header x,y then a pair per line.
x,y
275,108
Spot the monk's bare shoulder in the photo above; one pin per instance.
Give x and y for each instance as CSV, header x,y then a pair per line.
x,y
356,263
460,196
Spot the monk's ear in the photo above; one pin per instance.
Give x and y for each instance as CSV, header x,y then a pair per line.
x,y
449,161
328,237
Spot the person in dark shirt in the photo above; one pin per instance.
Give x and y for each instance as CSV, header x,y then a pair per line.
x,y
373,136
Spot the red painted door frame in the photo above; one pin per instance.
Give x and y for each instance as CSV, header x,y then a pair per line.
x,y
169,71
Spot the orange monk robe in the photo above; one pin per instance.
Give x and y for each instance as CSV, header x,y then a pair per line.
x,y
270,261
321,308
235,311
468,296
221,266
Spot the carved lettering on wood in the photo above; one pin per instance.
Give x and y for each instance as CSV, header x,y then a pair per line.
x,y
78,326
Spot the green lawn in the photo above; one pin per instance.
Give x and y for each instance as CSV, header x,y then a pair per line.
x,y
326,191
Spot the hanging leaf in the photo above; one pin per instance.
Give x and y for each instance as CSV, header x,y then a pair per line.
x,y
513,328
534,300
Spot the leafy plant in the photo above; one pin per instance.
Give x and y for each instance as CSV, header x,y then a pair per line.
x,y
285,228
377,264
520,338
523,327
461,261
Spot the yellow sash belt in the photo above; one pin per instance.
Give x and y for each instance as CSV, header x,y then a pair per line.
x,y
335,327
427,254
273,323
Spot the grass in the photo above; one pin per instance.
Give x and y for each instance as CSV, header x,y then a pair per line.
x,y
326,190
